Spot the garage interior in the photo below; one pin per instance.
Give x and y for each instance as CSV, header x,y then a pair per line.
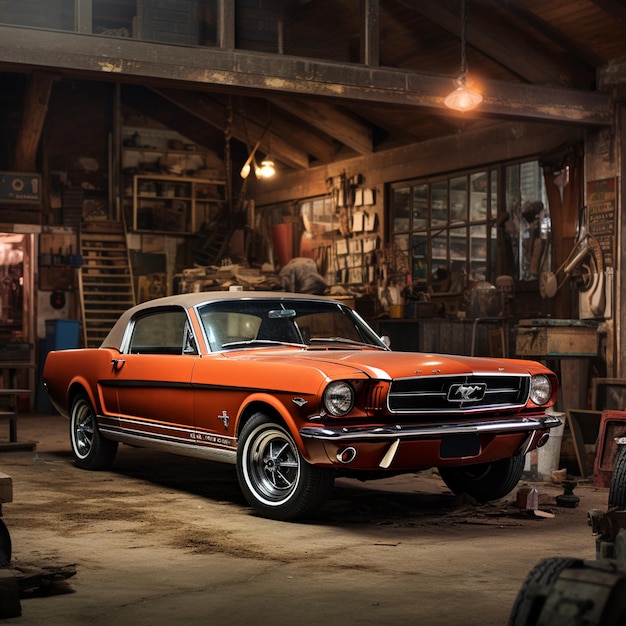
x,y
138,138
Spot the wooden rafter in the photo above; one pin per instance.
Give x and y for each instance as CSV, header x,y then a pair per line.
x,y
212,112
33,119
348,130
500,42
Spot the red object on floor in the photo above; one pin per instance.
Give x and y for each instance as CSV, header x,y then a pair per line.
x,y
612,426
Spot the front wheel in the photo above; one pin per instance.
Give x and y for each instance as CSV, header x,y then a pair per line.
x,y
91,450
274,478
485,481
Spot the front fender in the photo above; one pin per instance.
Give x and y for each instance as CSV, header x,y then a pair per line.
x,y
267,400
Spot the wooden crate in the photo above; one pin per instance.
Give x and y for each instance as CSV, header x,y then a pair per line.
x,y
556,341
6,488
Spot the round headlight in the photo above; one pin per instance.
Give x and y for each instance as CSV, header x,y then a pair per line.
x,y
540,389
339,398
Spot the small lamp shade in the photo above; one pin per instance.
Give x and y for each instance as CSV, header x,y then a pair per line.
x,y
463,99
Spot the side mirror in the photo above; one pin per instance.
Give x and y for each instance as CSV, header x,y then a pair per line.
x,y
386,341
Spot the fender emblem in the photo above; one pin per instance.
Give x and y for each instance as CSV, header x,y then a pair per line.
x,y
225,418
467,393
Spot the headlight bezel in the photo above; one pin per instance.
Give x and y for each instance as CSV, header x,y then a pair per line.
x,y
541,389
338,398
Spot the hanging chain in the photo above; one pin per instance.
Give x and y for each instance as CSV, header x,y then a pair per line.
x,y
227,156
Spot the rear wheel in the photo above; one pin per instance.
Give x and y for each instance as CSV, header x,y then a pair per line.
x,y
91,450
485,481
617,490
274,478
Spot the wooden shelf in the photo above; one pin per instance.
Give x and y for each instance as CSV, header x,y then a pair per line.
x,y
174,211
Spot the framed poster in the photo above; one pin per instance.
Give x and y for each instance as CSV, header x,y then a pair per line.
x,y
601,203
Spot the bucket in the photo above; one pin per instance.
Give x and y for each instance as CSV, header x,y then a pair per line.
x,y
542,462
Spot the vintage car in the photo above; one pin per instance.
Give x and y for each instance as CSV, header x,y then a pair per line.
x,y
295,390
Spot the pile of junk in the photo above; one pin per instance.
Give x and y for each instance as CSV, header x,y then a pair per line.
x,y
579,592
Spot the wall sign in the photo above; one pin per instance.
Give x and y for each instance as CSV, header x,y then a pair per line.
x,y
18,187
601,203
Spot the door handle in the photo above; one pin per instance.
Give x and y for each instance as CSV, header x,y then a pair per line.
x,y
117,364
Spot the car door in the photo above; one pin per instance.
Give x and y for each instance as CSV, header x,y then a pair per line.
x,y
221,383
153,377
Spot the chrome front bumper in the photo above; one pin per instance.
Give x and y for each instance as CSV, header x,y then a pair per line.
x,y
428,431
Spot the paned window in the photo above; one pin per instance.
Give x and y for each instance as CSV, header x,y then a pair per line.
x,y
448,227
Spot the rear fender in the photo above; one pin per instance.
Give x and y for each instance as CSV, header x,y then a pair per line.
x,y
69,372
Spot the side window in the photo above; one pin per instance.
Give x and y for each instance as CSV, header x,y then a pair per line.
x,y
163,332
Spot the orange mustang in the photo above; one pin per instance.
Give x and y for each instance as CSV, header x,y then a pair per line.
x,y
295,390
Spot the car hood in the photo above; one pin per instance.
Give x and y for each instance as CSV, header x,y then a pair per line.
x,y
387,365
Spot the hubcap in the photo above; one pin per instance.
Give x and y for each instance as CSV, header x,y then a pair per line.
x,y
273,469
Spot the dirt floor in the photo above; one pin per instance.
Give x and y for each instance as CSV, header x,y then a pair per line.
x,y
163,539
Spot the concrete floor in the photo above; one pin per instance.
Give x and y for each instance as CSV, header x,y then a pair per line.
x,y
163,539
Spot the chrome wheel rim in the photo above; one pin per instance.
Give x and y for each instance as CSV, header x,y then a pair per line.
x,y
272,467
82,429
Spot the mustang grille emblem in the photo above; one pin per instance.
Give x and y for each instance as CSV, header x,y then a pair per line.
x,y
467,393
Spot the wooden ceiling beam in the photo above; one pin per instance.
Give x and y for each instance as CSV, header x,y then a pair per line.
x,y
549,32
33,118
499,41
212,112
615,8
150,105
102,58
319,145
345,128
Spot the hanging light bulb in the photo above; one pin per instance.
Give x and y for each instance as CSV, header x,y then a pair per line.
x,y
267,169
463,98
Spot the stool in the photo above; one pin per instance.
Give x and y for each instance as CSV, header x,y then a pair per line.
x,y
477,321
10,412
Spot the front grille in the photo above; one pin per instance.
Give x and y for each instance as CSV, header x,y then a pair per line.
x,y
458,393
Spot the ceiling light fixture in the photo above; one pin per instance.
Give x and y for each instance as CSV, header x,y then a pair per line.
x,y
463,98
267,169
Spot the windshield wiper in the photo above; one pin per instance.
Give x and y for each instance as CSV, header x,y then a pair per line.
x,y
261,342
350,342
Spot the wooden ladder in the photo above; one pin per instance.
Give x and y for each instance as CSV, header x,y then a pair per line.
x,y
105,279
211,242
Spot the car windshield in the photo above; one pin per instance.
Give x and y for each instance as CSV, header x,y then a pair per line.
x,y
231,324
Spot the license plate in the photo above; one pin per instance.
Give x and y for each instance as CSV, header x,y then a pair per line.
x,y
454,446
